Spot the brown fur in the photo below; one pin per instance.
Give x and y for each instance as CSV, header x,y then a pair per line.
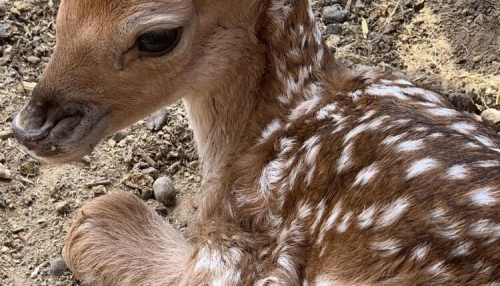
x,y
303,183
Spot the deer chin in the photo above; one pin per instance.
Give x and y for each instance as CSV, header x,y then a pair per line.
x,y
68,141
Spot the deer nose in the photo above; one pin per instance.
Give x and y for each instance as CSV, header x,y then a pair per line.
x,y
37,122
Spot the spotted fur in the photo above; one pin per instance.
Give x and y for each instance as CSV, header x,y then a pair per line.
x,y
313,174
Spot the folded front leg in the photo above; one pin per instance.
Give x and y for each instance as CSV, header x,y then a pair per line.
x,y
117,240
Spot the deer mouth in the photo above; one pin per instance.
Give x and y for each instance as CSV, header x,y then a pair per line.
x,y
59,133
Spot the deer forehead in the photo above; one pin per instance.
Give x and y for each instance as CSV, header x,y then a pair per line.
x,y
120,18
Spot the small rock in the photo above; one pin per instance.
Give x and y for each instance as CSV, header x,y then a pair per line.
x,y
334,14
29,169
462,102
62,207
334,30
157,120
118,136
6,134
359,5
33,59
491,117
99,191
140,182
165,192
150,171
5,173
57,267
5,30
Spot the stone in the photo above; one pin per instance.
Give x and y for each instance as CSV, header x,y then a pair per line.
x,y
334,30
462,102
334,14
62,207
33,59
491,117
5,173
165,191
57,267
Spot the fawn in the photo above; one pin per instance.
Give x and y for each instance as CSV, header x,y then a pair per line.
x,y
313,174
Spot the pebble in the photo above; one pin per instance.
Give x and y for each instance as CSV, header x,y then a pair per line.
x,y
5,173
33,59
491,117
334,14
62,207
6,134
57,267
5,30
120,135
164,191
462,102
333,30
157,120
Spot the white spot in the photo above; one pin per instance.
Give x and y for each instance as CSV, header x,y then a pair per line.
x,y
411,145
286,262
389,247
462,249
484,140
482,197
440,111
420,167
426,94
312,149
392,139
402,121
354,132
326,111
397,81
365,175
345,160
355,95
304,108
420,252
207,259
421,129
381,90
402,82
365,219
319,215
436,135
344,224
324,281
393,212
367,115
329,223
271,128
457,172
426,104
472,145
437,269
488,163
377,122
463,127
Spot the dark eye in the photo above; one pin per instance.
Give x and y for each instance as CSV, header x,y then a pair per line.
x,y
158,42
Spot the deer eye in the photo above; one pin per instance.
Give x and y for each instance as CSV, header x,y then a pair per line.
x,y
158,42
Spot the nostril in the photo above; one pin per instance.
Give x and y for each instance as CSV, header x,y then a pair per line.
x,y
36,122
31,135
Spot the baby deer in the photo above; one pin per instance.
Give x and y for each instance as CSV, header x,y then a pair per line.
x,y
313,174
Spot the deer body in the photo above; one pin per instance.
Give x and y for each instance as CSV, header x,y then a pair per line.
x,y
313,175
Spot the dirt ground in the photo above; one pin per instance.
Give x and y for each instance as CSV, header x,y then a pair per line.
x,y
452,46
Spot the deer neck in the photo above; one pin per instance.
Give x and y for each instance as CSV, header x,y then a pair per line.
x,y
265,77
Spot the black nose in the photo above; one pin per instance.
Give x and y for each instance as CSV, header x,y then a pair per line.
x,y
39,121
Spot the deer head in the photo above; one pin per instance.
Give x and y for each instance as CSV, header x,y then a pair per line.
x,y
117,61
